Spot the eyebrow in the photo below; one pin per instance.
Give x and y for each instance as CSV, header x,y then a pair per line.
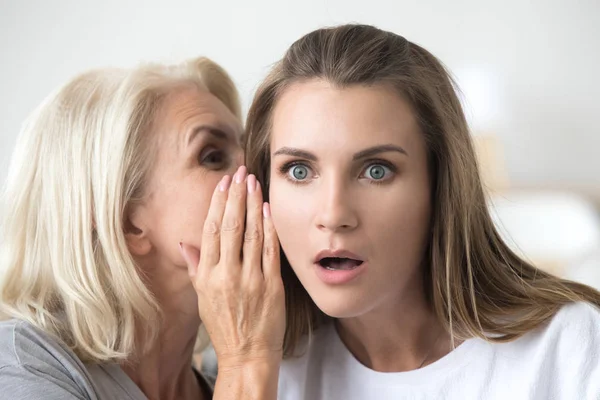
x,y
371,151
386,148
214,131
289,151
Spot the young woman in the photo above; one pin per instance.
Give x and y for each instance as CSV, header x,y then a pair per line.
x,y
109,176
398,285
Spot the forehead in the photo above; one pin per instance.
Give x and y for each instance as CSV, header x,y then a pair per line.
x,y
184,108
318,114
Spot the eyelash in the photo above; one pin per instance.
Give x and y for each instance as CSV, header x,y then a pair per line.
x,y
285,169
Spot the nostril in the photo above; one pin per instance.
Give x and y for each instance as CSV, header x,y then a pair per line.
x,y
340,217
335,227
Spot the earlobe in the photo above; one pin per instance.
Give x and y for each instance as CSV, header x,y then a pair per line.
x,y
138,242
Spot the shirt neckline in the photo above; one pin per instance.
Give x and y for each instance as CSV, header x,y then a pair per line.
x,y
455,359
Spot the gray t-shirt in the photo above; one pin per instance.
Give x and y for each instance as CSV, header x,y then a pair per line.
x,y
34,365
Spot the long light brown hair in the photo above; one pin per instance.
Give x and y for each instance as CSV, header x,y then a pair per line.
x,y
477,285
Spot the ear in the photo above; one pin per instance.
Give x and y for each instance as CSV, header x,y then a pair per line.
x,y
136,231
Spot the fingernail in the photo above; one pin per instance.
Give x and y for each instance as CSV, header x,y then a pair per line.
x,y
251,183
266,210
240,175
257,185
224,184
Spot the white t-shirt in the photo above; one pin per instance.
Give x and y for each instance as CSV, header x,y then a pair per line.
x,y
560,361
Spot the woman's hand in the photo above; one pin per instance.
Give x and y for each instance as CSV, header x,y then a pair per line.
x,y
237,277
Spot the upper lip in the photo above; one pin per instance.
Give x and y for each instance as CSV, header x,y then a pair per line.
x,y
339,253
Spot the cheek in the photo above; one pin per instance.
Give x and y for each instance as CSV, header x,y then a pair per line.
x,y
181,212
402,225
282,206
291,216
195,203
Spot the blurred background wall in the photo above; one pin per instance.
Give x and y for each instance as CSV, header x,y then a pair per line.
x,y
528,71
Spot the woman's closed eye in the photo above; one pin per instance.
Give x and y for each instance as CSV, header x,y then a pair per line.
x,y
214,158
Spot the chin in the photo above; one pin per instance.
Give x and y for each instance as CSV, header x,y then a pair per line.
x,y
341,305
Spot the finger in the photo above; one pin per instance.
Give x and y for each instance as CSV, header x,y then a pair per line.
x,y
232,228
211,240
253,236
270,256
191,255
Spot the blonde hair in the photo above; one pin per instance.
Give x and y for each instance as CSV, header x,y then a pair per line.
x,y
477,286
80,159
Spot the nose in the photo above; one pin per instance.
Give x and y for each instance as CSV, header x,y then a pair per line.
x,y
335,210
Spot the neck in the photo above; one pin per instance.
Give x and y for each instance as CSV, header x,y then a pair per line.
x,y
401,335
165,370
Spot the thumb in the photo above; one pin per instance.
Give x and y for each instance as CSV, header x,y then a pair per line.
x,y
191,255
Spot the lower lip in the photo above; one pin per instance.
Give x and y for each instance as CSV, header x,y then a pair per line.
x,y
338,276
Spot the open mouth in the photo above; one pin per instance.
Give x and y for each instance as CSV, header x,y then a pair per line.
x,y
339,263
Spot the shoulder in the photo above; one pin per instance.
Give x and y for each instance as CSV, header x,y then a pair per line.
x,y
573,329
576,330
570,351
564,354
17,340
32,357
23,344
578,316
575,325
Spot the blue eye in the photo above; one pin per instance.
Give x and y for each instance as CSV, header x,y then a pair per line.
x,y
298,172
377,172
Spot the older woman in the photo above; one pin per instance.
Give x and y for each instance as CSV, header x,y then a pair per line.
x,y
109,176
